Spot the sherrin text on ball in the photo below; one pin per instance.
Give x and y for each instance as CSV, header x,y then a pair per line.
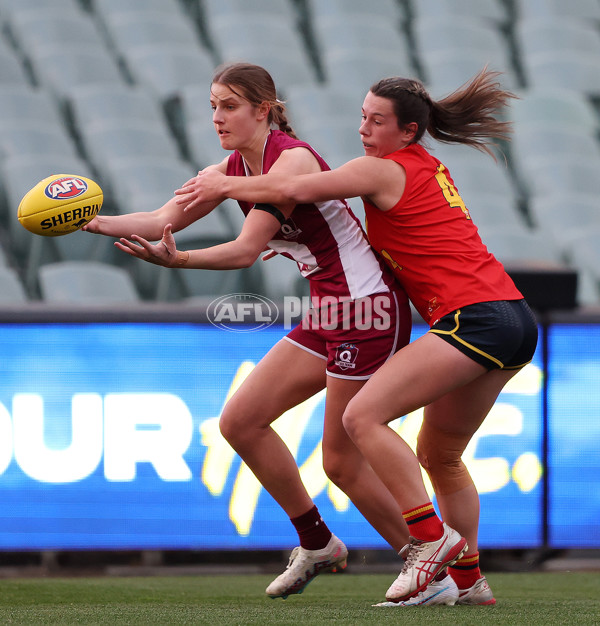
x,y
60,204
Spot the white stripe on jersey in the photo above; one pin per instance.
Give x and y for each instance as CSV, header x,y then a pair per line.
x,y
361,266
299,252
362,271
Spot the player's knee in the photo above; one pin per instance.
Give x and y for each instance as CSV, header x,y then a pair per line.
x,y
333,468
440,455
354,421
337,468
234,424
227,426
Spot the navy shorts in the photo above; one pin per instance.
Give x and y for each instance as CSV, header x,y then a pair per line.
x,y
498,335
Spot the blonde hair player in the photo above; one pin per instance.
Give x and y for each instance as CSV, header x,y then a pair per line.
x,y
481,330
332,252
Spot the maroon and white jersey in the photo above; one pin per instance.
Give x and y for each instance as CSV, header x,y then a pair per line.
x,y
325,238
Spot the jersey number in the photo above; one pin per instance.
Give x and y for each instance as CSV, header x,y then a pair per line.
x,y
449,191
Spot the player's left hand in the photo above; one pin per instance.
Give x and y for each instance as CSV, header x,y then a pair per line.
x,y
162,253
205,187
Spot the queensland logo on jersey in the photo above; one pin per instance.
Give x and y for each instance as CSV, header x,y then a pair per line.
x,y
65,188
242,312
345,356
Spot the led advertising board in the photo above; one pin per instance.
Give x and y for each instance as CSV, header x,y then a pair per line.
x,y
109,439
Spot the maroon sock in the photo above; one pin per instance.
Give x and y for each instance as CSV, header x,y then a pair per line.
x,y
312,530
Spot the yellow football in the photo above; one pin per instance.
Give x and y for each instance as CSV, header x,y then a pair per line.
x,y
60,204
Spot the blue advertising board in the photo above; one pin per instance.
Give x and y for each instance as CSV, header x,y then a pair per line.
x,y
109,439
574,436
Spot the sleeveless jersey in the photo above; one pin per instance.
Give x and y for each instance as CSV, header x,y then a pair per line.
x,y
325,238
431,243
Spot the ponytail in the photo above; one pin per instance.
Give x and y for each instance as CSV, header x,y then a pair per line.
x,y
468,115
277,116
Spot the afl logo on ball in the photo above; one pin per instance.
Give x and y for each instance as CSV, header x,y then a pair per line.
x,y
65,188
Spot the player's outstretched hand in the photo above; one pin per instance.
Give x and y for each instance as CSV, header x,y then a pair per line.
x,y
162,253
205,187
93,226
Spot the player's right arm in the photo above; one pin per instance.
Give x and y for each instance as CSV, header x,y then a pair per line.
x,y
150,225
381,181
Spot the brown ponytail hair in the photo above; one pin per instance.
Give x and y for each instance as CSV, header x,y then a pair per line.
x,y
468,115
256,85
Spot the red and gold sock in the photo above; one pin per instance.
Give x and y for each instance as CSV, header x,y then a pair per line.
x,y
465,571
423,523
312,530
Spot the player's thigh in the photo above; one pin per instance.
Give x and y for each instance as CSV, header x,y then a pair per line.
x,y
286,376
414,377
461,411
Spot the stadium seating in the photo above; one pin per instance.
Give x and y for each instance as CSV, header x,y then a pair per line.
x,y
92,105
130,30
586,10
537,143
540,35
390,10
491,210
9,8
360,50
463,46
131,177
112,140
34,138
47,28
167,69
563,173
285,9
572,70
86,282
585,255
494,11
349,69
118,90
563,217
12,70
520,245
12,290
554,107
59,69
110,10
261,39
450,69
23,103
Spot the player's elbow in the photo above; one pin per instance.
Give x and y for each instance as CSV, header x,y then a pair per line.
x,y
246,256
290,192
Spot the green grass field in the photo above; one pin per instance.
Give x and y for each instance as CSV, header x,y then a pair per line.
x,y
532,599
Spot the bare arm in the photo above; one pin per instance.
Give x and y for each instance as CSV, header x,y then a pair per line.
x,y
150,225
380,180
259,228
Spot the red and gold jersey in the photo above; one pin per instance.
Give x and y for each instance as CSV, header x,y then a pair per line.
x,y
431,243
